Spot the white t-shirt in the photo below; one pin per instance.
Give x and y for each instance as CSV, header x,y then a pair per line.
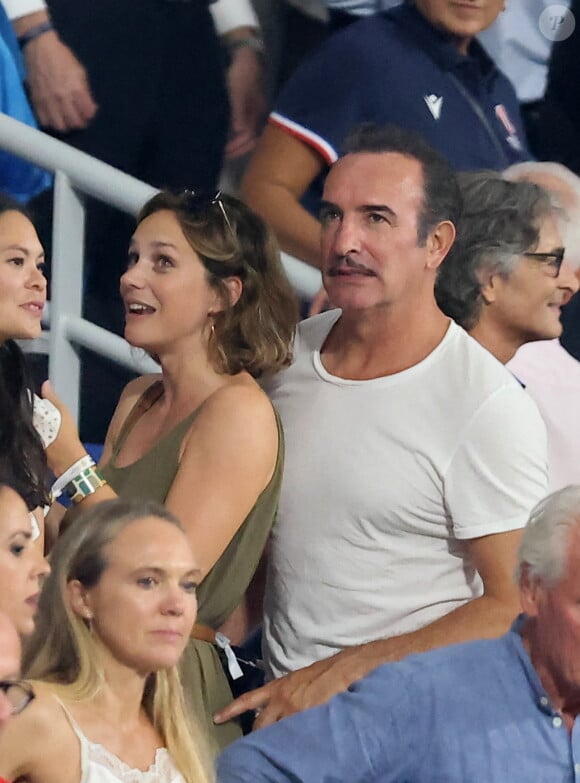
x,y
383,481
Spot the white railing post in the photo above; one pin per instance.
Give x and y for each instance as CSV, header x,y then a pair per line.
x,y
68,235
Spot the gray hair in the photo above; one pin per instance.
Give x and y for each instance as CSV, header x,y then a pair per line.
x,y
565,187
543,547
500,221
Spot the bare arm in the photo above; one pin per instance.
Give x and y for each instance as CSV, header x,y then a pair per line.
x,y
280,171
490,615
246,93
59,86
228,460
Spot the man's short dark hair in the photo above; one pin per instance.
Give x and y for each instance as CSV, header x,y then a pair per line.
x,y
442,198
500,221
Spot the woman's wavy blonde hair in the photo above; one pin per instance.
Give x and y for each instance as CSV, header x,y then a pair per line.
x,y
62,650
256,333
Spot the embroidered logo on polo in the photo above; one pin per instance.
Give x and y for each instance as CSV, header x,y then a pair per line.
x,y
512,137
434,104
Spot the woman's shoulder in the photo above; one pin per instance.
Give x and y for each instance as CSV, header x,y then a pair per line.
x,y
237,415
241,396
30,739
45,708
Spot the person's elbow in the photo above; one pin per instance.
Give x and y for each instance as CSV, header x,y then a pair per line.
x,y
259,189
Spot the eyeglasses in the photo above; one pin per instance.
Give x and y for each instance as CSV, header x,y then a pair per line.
x,y
553,260
200,201
18,693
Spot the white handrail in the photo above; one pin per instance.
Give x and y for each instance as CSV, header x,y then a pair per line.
x,y
114,187
87,174
78,173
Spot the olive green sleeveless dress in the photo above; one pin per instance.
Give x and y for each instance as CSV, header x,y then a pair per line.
x,y
150,477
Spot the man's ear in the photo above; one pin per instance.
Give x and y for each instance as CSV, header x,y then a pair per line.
x,y
77,598
531,592
489,289
439,242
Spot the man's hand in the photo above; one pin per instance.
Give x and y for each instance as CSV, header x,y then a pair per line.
x,y
295,692
59,87
247,101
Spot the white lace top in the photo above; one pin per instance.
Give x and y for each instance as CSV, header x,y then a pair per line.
x,y
99,765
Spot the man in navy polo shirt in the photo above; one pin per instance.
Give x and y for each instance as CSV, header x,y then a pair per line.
x,y
416,66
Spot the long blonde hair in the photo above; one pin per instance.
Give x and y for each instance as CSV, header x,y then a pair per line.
x,y
62,651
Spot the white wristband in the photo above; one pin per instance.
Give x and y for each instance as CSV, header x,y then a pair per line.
x,y
81,464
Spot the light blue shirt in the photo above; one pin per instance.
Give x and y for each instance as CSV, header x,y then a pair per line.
x,y
470,713
519,46
18,178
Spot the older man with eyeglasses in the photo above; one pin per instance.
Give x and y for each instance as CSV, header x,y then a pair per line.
x,y
506,279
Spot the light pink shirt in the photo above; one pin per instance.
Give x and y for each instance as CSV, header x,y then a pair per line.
x,y
552,378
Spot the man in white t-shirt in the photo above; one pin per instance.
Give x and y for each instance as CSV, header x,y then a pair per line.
x,y
413,457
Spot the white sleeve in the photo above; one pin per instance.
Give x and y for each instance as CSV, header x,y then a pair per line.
x,y
499,470
17,8
229,14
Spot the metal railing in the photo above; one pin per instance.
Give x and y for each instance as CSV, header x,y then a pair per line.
x,y
78,174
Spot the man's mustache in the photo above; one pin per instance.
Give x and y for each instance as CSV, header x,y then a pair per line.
x,y
340,263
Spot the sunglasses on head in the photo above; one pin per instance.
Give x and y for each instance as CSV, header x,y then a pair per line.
x,y
199,201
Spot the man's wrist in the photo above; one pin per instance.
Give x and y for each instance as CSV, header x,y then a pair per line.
x,y
34,32
243,38
23,24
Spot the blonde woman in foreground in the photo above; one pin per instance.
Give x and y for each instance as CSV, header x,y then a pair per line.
x,y
115,616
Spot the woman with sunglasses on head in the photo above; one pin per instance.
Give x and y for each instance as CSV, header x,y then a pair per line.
x,y
114,618
206,296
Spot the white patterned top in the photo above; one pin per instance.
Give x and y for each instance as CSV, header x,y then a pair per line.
x,y
100,765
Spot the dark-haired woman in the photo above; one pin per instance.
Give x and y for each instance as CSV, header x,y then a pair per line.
x,y
22,298
205,294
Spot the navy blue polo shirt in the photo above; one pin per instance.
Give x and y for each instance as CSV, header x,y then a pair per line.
x,y
397,68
